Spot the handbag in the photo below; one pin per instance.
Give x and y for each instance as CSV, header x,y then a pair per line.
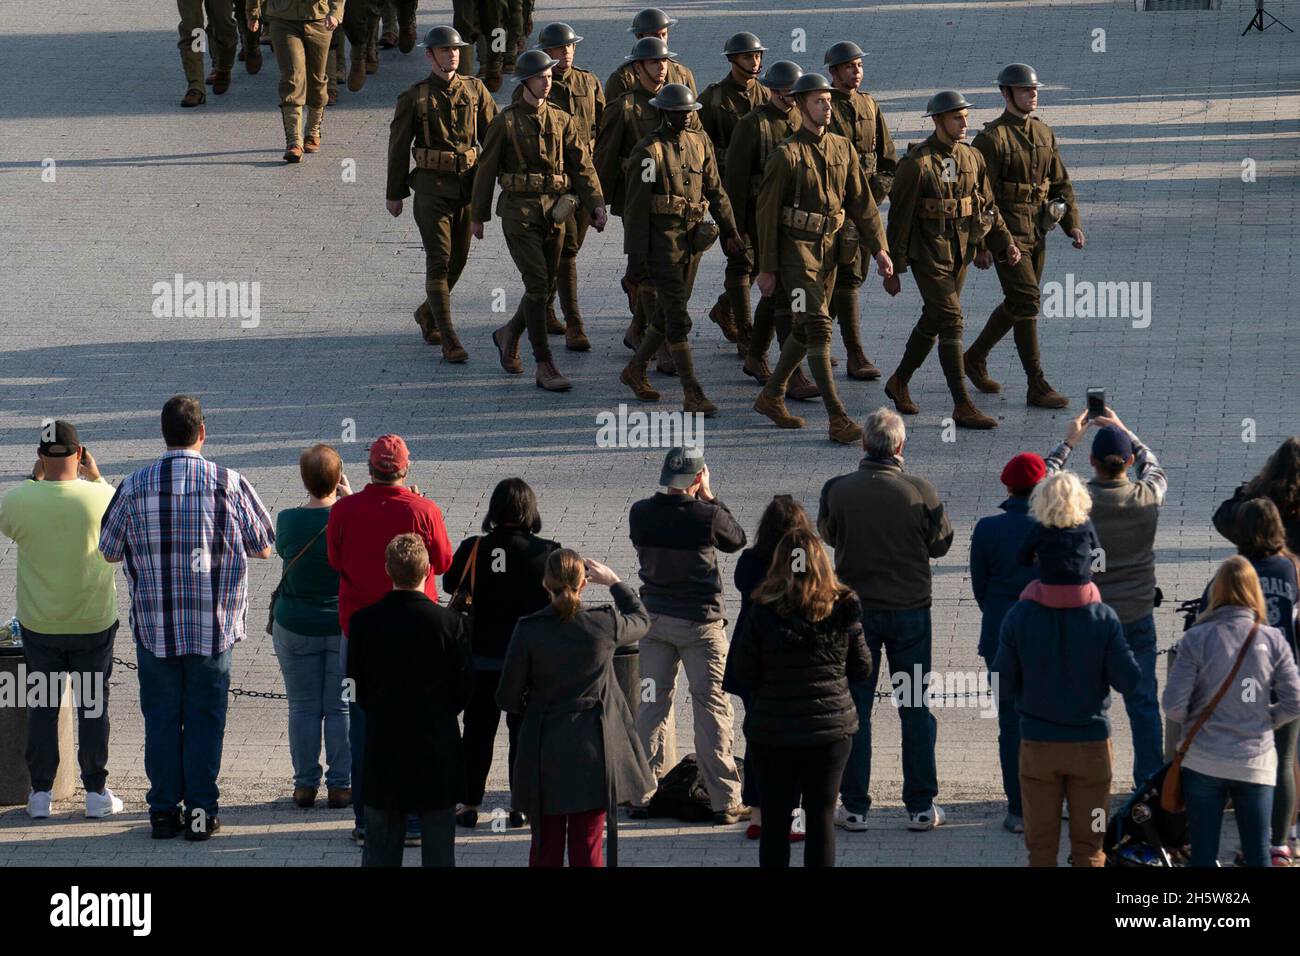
x,y
275,595
1171,791
462,602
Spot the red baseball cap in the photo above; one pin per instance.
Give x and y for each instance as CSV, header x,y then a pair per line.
x,y
389,455
1024,471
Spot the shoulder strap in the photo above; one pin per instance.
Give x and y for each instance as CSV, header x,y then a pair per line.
x,y
514,141
422,107
661,165
1232,675
471,566
305,548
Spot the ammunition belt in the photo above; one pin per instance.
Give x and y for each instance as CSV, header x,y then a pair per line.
x,y
1032,193
662,205
814,222
947,208
444,160
533,183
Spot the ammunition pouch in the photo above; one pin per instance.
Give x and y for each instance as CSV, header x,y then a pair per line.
x,y
693,212
704,236
947,208
1028,193
533,184
446,161
814,223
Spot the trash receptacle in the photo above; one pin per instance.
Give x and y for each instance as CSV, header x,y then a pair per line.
x,y
14,780
627,671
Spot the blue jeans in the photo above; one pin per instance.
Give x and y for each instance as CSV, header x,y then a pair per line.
x,y
1008,744
1252,804
183,700
905,638
1143,705
314,683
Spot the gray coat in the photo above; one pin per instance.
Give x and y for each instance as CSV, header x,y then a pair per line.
x,y
578,745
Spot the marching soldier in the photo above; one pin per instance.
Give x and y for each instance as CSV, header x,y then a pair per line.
x,y
939,209
672,181
250,48
857,117
723,105
441,120
579,92
651,22
361,20
625,122
302,50
538,152
223,42
812,183
756,136
1033,191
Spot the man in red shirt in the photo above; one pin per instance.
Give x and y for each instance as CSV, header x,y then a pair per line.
x,y
360,527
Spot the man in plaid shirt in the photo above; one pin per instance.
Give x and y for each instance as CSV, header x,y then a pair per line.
x,y
185,528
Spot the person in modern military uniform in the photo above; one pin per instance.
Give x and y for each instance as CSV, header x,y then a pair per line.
x,y
812,183
626,121
222,40
441,121
858,118
650,22
541,155
723,104
1034,194
939,208
672,183
579,92
301,31
756,136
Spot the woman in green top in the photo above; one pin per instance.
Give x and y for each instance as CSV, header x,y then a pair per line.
x,y
306,635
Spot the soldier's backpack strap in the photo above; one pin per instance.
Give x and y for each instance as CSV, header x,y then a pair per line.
x,y
422,107
514,138
798,181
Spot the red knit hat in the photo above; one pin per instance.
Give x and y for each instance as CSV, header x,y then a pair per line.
x,y
1024,471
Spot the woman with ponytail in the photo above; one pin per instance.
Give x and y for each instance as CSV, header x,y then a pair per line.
x,y
578,755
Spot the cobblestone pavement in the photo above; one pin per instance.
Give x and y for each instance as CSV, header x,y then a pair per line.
x,y
1156,130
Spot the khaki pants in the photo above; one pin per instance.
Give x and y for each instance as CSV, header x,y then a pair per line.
x,y
702,650
222,40
302,49
536,252
1080,774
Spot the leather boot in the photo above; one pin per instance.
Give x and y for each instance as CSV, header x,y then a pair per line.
x,y
773,406
566,289
452,350
506,339
694,399
844,430
549,377
293,154
757,369
575,339
860,367
553,325
976,356
896,391
720,314
738,296
966,415
1040,394
428,328
801,387
634,377
357,73
220,81
194,97
664,363
372,56
253,59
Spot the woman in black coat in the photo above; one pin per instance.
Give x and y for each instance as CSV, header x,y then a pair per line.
x,y
797,651
506,575
578,755
1279,481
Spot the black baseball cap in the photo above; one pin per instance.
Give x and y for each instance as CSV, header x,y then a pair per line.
x,y
681,466
63,444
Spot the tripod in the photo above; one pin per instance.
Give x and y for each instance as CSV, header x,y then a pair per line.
x,y
1257,21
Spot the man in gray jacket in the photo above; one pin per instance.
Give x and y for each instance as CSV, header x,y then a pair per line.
x,y
885,525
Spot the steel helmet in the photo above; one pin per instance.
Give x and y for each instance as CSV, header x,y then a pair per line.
x,y
810,83
782,75
843,52
675,97
531,62
743,43
443,37
945,102
556,34
650,48
1018,74
650,20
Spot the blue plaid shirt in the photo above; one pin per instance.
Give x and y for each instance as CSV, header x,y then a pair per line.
x,y
185,527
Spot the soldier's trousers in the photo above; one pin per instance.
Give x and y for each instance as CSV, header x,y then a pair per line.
x,y
809,294
1018,310
536,252
241,21
575,234
443,222
222,39
736,281
302,51
672,296
360,16
941,321
844,300
480,18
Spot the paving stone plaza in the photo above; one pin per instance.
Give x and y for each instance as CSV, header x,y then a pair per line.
x,y
1180,135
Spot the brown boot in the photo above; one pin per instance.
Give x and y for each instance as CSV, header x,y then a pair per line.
x,y
664,363
293,154
220,81
575,339
372,61
549,377
253,61
194,97
311,143
896,391
774,408
860,367
634,334
507,345
966,415
1043,395
634,377
452,350
757,369
339,797
844,430
978,373
694,400
357,74
304,796
999,324
210,78
553,325
428,328
721,315
801,387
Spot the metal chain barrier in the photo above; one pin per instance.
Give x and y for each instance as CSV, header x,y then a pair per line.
x,y
234,691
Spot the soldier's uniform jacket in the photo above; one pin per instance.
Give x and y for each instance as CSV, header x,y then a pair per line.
x,y
536,153
722,106
663,210
856,116
624,79
442,123
810,186
1025,169
756,136
934,208
626,121
579,93
294,9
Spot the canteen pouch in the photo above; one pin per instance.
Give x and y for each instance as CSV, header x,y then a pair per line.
x,y
983,223
847,243
564,207
1050,213
704,236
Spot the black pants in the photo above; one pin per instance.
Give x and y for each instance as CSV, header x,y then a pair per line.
x,y
482,717
386,833
786,772
90,657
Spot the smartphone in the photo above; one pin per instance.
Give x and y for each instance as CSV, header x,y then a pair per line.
x,y
1096,402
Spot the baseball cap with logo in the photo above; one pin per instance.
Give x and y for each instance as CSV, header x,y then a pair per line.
x,y
59,439
389,455
681,466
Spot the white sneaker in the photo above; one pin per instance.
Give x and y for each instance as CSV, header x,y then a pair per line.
x,y
926,819
850,821
38,804
102,804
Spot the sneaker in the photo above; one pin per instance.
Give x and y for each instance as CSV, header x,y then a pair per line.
x,y
1014,823
857,822
926,819
38,803
102,804
725,818
1281,856
200,825
359,836
165,824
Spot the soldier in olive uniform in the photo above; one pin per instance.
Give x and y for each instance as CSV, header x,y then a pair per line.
x,y
939,209
625,122
1033,191
651,22
812,183
222,44
361,20
539,152
754,139
301,31
579,92
672,182
857,117
441,120
250,48
482,22
723,104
